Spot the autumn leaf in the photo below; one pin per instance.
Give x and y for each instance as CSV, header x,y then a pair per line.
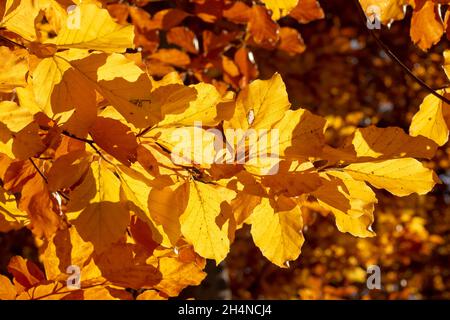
x,y
351,201
13,69
95,30
95,207
277,230
426,25
432,120
18,17
7,289
280,8
388,10
199,223
400,177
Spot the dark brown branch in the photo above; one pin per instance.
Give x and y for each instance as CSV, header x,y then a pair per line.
x,y
88,141
71,135
38,170
388,51
45,178
12,42
140,134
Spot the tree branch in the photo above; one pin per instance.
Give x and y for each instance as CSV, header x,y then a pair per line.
x,y
88,141
38,170
45,178
13,42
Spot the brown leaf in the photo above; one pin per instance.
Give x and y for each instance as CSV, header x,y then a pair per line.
x,y
307,11
262,28
183,37
291,41
115,138
41,208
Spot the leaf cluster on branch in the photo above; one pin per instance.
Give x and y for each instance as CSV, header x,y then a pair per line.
x,y
87,143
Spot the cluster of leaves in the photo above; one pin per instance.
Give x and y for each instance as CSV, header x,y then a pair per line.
x,y
348,83
212,41
429,22
86,141
427,28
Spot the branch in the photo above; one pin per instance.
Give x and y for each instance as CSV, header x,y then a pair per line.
x,y
386,49
45,178
140,134
38,170
13,42
88,141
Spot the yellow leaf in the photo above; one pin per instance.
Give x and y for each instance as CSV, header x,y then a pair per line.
x,y
60,89
49,290
387,10
14,117
280,8
301,133
177,275
150,295
57,255
277,230
26,273
137,188
261,104
95,208
201,109
7,289
115,138
400,177
164,213
351,201
121,267
199,223
19,17
10,216
13,69
69,81
91,27
294,180
447,63
391,142
189,146
432,120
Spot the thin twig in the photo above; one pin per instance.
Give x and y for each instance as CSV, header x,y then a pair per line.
x,y
88,141
45,178
140,134
71,135
13,42
388,51
38,170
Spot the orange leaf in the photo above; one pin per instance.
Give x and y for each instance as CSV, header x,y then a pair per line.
x,y
183,37
291,41
115,138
